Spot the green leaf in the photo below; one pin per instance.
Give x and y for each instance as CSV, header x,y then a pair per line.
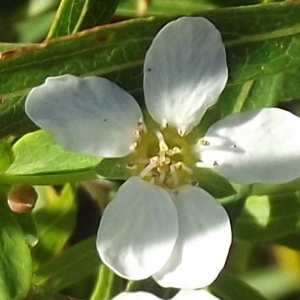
x,y
267,218
229,287
113,168
68,268
213,183
37,154
28,225
55,217
251,95
129,7
75,15
6,155
15,262
261,41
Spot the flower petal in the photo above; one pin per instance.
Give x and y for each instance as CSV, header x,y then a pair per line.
x,y
138,230
185,71
135,296
194,295
257,146
90,115
203,241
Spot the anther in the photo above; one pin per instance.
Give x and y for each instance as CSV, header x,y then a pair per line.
x,y
137,134
181,166
194,183
149,167
164,124
131,166
173,151
204,142
133,146
181,132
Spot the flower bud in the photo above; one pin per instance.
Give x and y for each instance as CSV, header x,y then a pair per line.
x,y
21,198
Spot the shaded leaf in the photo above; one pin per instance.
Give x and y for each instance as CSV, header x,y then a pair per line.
x,y
68,268
55,218
15,262
75,15
230,287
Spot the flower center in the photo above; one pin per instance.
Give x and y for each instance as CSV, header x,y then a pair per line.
x,y
162,157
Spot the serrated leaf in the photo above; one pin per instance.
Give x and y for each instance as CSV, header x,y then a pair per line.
x,y
15,262
230,287
55,220
69,267
261,40
268,218
73,15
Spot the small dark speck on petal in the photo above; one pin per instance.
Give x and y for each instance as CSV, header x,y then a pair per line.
x,y
234,146
105,120
149,69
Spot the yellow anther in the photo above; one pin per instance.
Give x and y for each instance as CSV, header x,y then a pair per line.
x,y
204,142
131,166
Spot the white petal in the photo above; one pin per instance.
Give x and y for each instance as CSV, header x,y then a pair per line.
x,y
138,230
257,146
185,71
90,115
194,295
203,242
136,296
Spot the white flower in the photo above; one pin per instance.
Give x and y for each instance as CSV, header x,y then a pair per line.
x,y
160,224
182,295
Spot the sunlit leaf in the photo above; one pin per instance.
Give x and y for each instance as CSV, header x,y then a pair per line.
x,y
267,218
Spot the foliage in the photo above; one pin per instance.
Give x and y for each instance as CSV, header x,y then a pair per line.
x,y
44,254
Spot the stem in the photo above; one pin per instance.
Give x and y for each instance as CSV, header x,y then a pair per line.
x,y
108,285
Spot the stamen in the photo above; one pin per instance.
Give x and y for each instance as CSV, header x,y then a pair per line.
x,y
181,131
131,166
162,144
164,124
204,142
133,146
174,175
194,183
137,134
162,176
181,166
149,167
173,151
142,126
